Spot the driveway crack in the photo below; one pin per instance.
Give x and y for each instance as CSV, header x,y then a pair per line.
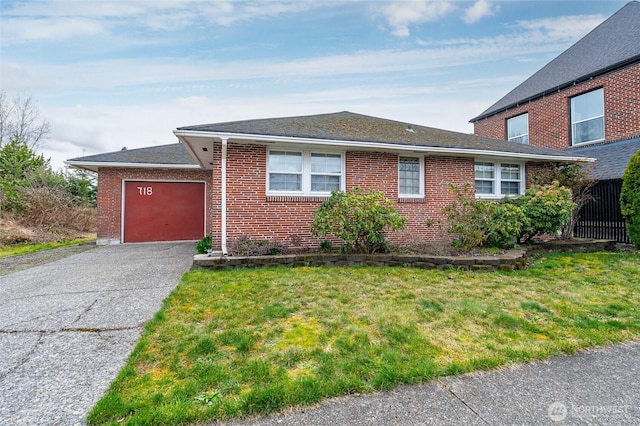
x,y
462,401
87,309
26,356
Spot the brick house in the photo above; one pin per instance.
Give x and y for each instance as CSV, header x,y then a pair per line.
x,y
264,178
587,96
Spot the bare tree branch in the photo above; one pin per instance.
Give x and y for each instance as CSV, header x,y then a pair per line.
x,y
20,118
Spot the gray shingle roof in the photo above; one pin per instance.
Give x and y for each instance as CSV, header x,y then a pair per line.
x,y
611,158
348,126
612,44
174,154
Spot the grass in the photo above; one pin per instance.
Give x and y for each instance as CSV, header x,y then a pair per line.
x,y
249,342
18,249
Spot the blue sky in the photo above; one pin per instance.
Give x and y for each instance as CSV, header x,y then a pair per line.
x,y
108,74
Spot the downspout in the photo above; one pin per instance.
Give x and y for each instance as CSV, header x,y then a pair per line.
x,y
223,201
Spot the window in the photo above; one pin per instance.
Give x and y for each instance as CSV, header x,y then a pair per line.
x,y
518,129
505,177
485,176
587,117
410,177
304,172
509,179
326,171
285,171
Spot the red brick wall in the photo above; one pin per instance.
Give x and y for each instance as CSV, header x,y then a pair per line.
x,y
531,169
284,218
251,212
549,120
110,194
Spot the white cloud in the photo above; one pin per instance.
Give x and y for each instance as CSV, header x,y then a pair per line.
x,y
401,14
87,130
32,29
168,75
479,10
562,27
62,19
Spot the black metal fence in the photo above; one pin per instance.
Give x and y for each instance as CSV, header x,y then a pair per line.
x,y
601,218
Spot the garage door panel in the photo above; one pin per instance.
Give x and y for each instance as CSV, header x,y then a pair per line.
x,y
163,211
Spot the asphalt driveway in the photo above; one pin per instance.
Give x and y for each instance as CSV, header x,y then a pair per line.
x,y
67,327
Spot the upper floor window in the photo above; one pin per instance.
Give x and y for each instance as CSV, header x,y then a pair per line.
x,y
518,128
498,179
587,117
296,172
410,177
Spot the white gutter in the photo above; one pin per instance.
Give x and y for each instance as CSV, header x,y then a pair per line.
x,y
223,206
379,146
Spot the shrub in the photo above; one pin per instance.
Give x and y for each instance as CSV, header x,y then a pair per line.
x,y
203,245
326,246
575,177
359,219
245,246
547,208
53,207
477,222
504,225
630,198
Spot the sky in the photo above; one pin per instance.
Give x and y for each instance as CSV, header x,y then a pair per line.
x,y
125,73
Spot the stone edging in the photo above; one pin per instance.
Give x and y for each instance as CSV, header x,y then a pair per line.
x,y
512,259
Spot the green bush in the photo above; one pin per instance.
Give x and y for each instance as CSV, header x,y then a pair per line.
x,y
547,208
630,198
478,222
203,245
504,225
358,218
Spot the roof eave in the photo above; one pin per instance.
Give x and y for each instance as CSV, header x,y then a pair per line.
x,y
378,146
95,165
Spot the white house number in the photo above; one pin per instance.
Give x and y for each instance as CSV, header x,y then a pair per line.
x,y
145,190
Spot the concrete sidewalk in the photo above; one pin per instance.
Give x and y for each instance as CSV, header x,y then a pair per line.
x,y
596,387
67,327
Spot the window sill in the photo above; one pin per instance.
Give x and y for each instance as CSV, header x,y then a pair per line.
x,y
296,198
496,197
411,200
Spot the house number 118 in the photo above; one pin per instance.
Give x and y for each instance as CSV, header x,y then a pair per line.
x,y
145,190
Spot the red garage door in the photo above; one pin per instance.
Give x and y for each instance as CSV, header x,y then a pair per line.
x,y
163,211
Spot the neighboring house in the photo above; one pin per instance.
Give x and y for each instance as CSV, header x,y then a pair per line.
x,y
265,178
588,95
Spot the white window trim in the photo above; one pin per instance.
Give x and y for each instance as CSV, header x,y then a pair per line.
x,y
497,179
421,163
521,135
306,172
573,123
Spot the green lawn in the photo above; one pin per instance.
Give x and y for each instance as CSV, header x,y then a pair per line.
x,y
246,342
33,247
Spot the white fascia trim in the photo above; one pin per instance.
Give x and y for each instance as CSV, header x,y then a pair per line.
x,y
380,146
191,152
131,165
